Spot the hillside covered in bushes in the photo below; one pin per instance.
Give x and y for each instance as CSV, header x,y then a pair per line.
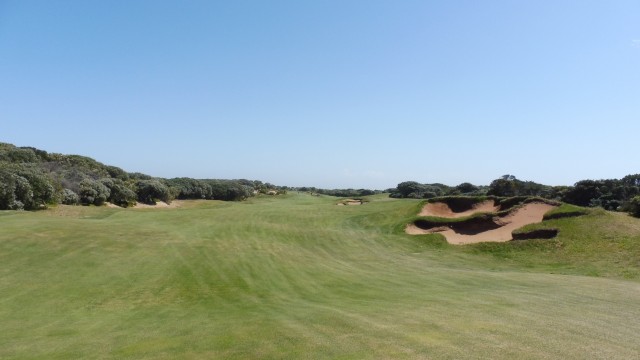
x,y
31,179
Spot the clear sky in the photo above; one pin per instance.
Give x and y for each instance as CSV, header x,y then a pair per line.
x,y
331,94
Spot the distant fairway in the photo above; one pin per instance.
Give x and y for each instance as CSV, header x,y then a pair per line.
x,y
299,277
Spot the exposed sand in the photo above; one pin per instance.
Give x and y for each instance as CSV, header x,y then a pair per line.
x,y
441,209
159,204
528,214
350,202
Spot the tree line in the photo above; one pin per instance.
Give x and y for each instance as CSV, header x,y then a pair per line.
x,y
31,179
338,192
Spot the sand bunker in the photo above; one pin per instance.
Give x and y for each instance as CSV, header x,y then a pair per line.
x,y
350,202
498,229
159,204
441,209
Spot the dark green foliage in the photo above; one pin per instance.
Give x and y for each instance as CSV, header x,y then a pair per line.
x,y
188,188
93,192
42,187
508,185
24,187
467,188
17,155
631,180
140,176
69,197
229,190
31,178
409,189
117,173
8,187
610,194
415,190
634,208
583,193
152,191
226,190
503,187
119,193
346,192
267,188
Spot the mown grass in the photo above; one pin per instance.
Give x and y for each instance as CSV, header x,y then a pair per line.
x,y
565,210
296,276
600,243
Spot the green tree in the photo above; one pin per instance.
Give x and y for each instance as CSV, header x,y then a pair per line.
x,y
635,206
505,186
466,188
152,191
93,192
69,197
119,193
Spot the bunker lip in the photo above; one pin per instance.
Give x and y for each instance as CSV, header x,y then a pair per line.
x,y
442,209
486,228
158,205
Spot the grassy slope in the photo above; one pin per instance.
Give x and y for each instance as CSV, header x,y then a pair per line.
x,y
302,278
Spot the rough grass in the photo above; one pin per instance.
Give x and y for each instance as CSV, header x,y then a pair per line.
x,y
298,277
565,210
601,243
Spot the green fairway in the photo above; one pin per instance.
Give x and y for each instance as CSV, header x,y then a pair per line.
x,y
297,276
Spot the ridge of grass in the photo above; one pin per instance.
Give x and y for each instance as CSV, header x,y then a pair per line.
x,y
565,210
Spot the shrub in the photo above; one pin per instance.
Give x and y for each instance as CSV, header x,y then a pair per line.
x,y
69,197
152,191
93,192
24,184
119,193
634,208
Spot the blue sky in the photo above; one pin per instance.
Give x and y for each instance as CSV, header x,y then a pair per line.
x,y
331,94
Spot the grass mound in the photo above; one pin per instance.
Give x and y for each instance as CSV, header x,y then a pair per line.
x,y
566,210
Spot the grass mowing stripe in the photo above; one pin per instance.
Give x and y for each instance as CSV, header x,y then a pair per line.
x,y
299,277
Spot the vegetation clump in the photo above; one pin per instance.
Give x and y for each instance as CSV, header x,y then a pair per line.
x,y
31,179
635,206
